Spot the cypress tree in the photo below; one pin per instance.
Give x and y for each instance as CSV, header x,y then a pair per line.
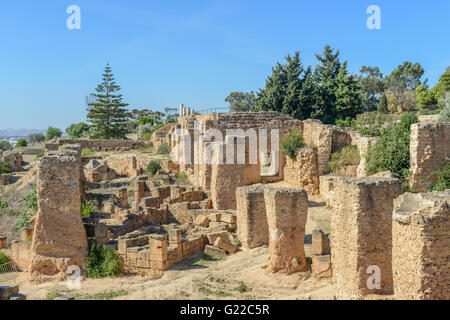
x,y
107,114
348,94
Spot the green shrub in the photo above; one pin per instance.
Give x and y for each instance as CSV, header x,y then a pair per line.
x,y
39,155
163,149
86,209
153,167
348,156
371,124
3,204
147,135
291,142
35,137
391,152
52,133
444,115
30,200
182,178
4,167
443,178
5,145
347,122
89,152
21,143
23,221
4,258
102,261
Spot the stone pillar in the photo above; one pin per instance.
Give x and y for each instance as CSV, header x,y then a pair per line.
x,y
26,234
175,237
252,228
158,253
287,211
420,246
361,235
122,195
59,238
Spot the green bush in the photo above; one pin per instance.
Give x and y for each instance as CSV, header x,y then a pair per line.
x,y
291,142
77,130
4,167
391,152
444,115
3,204
347,122
39,155
23,221
163,149
5,145
348,156
21,143
52,133
86,209
182,178
102,261
147,135
153,167
88,152
36,137
4,258
30,200
443,178
371,124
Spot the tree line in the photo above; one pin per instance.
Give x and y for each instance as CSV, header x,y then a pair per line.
x,y
335,96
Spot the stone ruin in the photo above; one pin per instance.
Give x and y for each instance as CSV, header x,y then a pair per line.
x,y
375,229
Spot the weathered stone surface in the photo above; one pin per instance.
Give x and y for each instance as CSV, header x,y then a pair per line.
x,y
3,242
201,220
321,266
287,211
430,150
5,179
214,251
59,238
225,245
7,291
302,172
252,228
361,234
320,243
420,246
14,160
214,235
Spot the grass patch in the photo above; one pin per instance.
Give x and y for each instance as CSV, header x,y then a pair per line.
x,y
348,156
23,220
89,152
291,142
242,287
4,167
30,200
52,295
182,178
106,295
86,209
3,204
163,149
219,293
39,155
4,258
206,259
146,149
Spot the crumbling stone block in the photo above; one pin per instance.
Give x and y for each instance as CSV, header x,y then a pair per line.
x,y
225,245
287,211
302,172
175,236
201,220
59,238
214,251
361,235
214,235
122,195
321,266
7,291
420,246
26,234
3,242
252,228
320,243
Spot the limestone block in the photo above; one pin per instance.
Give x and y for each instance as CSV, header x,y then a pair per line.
x,y
321,266
201,220
225,245
320,243
214,235
3,242
287,211
214,251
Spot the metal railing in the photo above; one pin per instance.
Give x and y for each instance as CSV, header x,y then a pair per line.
x,y
8,273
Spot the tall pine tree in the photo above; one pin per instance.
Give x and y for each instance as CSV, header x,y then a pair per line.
x,y
107,114
325,76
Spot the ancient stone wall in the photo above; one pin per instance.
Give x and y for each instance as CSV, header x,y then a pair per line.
x,y
430,150
14,159
110,144
252,228
302,172
287,211
59,238
361,234
421,242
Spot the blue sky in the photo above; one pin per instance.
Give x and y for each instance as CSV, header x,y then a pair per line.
x,y
164,53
